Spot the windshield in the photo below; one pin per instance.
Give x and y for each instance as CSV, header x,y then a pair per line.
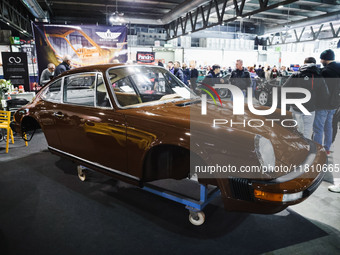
x,y
142,85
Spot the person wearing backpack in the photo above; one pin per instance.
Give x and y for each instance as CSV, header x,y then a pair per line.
x,y
308,77
214,76
323,117
331,73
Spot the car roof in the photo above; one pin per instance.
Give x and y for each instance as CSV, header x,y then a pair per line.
x,y
102,68
90,68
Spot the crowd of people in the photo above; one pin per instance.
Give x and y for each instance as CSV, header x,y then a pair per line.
x,y
190,74
324,87
322,83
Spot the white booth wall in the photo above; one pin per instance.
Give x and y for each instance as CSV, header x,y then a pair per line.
x,y
279,55
295,53
223,57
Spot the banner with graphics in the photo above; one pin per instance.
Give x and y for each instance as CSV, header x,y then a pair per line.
x,y
145,58
16,69
86,44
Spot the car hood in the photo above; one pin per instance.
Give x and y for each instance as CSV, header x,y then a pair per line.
x,y
289,146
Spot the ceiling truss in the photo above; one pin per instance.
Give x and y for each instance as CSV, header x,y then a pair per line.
x,y
12,15
306,34
179,26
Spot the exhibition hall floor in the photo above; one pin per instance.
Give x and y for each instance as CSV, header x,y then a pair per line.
x,y
46,209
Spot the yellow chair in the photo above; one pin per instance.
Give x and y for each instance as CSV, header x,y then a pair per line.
x,y
5,119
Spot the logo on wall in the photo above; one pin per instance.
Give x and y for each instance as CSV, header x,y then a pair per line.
x,y
16,60
15,68
146,58
108,35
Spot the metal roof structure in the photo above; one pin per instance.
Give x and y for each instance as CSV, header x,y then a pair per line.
x,y
181,17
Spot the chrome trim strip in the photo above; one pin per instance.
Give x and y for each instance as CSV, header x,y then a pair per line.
x,y
96,164
307,192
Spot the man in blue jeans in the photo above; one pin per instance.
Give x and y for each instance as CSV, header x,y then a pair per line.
x,y
324,117
308,77
323,126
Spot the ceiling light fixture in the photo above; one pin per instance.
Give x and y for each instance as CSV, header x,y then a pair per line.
x,y
116,16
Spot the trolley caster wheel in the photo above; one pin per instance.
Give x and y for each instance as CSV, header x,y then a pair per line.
x,y
81,173
197,218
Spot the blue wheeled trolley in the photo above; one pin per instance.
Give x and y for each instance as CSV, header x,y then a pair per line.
x,y
195,207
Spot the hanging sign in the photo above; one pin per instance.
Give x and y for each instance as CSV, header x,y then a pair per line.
x,y
85,44
146,58
15,68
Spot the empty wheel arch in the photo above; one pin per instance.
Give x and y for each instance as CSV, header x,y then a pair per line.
x,y
166,161
29,124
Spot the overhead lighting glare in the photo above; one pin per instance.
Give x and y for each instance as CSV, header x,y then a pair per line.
x,y
280,7
238,17
117,17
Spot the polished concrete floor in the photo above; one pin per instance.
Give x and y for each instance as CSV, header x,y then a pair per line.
x,y
45,209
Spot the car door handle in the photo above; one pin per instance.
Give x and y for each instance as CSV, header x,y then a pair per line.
x,y
58,115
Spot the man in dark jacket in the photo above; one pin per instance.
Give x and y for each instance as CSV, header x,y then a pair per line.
x,y
308,77
240,77
160,63
178,71
258,70
186,73
193,75
64,66
323,117
214,76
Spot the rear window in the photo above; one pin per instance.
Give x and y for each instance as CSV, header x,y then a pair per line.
x,y
80,89
53,92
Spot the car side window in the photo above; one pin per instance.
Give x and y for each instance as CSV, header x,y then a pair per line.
x,y
102,97
79,89
125,93
53,92
150,82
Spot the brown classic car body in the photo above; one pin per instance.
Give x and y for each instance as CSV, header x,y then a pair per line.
x,y
139,137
